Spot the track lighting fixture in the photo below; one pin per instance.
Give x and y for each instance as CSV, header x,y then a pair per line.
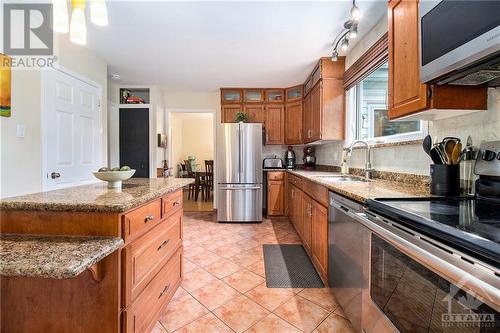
x,y
349,32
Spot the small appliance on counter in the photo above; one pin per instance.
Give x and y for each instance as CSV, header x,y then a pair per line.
x,y
309,158
271,163
290,158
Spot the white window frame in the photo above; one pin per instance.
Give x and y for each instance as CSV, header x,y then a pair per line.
x,y
352,123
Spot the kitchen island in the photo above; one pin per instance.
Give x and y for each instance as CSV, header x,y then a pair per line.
x,y
98,290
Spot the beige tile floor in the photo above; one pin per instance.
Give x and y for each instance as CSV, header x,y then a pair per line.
x,y
224,287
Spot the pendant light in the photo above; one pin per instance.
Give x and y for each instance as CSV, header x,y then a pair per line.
x,y
61,20
98,12
78,29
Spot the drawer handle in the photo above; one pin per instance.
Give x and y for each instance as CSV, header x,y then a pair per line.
x,y
148,218
175,203
164,291
163,244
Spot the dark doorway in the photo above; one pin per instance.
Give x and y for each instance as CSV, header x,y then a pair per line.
x,y
134,140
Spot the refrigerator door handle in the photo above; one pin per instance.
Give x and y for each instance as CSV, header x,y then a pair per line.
x,y
241,188
240,150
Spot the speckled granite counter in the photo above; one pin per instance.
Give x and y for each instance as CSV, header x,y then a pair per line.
x,y
360,191
97,197
55,257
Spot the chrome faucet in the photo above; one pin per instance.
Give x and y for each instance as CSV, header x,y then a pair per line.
x,y
368,164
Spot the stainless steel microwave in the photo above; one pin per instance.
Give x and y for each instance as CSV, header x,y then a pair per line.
x,y
460,42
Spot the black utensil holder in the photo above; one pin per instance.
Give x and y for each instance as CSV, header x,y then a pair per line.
x,y
445,180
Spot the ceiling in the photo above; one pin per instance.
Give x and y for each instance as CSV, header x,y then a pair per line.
x,y
201,46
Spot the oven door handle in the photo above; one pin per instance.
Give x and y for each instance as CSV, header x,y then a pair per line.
x,y
485,287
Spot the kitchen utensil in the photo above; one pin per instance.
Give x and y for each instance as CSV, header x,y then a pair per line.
x,y
441,152
435,156
448,148
427,145
455,155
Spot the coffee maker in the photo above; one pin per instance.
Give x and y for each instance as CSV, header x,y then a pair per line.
x,y
309,158
290,158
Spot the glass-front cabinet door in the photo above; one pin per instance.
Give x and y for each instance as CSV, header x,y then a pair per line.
x,y
230,96
294,93
275,95
253,95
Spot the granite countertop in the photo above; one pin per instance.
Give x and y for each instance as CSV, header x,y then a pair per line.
x,y
360,191
97,197
53,257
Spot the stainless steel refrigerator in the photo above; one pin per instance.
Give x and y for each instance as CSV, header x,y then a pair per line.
x,y
239,173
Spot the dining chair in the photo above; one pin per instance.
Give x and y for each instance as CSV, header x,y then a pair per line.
x,y
209,169
190,174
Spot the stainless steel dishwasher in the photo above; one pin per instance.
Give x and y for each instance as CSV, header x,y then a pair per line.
x,y
349,266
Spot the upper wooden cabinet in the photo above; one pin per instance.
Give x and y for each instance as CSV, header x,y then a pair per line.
x,y
255,112
275,124
229,112
293,123
293,94
275,95
324,113
407,94
231,96
253,95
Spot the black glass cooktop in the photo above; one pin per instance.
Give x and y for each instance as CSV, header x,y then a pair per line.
x,y
469,223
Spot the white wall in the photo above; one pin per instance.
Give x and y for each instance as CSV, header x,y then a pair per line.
x,y
481,126
192,135
21,158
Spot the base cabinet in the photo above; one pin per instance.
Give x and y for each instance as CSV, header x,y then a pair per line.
x,y
309,217
276,193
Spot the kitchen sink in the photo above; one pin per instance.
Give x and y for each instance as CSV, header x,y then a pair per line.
x,y
341,178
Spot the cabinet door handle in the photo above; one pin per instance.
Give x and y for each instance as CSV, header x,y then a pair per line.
x,y
175,203
165,242
148,218
164,291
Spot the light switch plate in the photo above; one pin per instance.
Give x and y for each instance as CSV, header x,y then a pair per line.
x,y
20,131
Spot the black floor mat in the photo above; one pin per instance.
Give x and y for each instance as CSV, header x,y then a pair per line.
x,y
288,266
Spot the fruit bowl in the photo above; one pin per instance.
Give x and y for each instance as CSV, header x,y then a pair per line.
x,y
114,178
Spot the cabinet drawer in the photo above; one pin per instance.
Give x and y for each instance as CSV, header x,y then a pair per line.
x,y
297,181
316,192
140,220
275,175
142,314
144,257
172,203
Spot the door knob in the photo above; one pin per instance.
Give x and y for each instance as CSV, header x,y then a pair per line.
x,y
55,175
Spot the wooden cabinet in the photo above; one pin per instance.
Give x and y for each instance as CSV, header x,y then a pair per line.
x,y
294,94
275,95
275,124
231,96
306,222
324,113
253,96
229,112
255,112
275,193
293,123
407,95
308,212
319,237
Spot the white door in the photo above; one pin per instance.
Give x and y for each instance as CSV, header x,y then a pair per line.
x,y
72,131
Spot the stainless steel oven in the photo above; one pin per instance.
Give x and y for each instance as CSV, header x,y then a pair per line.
x,y
425,286
389,278
460,42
